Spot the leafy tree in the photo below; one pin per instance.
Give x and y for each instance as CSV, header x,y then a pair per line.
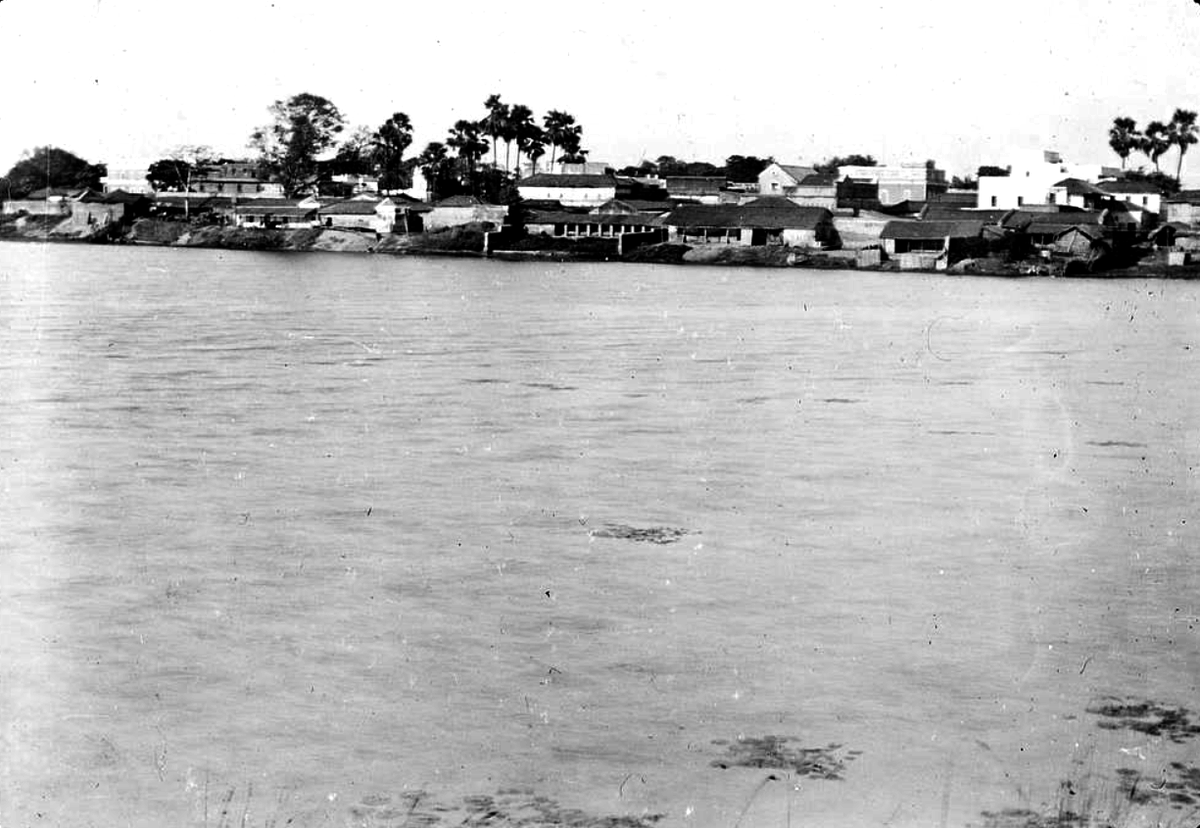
x,y
745,168
1156,140
51,167
854,159
1182,131
393,137
1124,137
1169,185
992,171
301,128
355,156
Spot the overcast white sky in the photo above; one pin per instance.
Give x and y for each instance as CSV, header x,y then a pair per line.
x,y
961,82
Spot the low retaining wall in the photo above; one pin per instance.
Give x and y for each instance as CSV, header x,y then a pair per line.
x,y
628,242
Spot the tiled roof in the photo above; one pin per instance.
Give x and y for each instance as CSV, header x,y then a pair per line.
x,y
922,230
797,172
769,213
569,180
1127,187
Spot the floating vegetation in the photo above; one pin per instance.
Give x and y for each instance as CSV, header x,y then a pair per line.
x,y
1179,786
1151,718
650,534
827,762
550,386
508,808
1115,444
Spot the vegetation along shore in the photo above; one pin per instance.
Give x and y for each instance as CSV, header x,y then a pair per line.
x,y
310,183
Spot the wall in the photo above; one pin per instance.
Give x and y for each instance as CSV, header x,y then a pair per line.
x,y
774,181
570,196
440,217
38,208
1173,212
85,213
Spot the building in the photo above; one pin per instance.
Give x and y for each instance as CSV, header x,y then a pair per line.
x,y
1031,180
696,189
569,190
1141,193
129,180
901,236
376,215
464,209
1074,192
782,179
589,225
1181,208
281,213
912,181
816,190
237,179
48,201
766,220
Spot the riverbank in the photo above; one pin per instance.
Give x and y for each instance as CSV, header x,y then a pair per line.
x,y
470,242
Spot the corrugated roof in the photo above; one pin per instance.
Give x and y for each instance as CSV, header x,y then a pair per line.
x,y
768,213
929,230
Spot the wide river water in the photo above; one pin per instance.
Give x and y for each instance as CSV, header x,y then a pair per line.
x,y
335,540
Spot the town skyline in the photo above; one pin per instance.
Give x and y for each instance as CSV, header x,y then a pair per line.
x,y
898,83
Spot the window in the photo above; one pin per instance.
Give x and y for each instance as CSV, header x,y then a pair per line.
x,y
1020,201
1145,200
774,186
1052,198
993,201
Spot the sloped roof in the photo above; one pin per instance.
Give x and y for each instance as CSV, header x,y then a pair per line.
x,y
1077,186
46,193
460,201
1125,187
123,197
935,211
279,211
260,204
695,183
1185,197
563,217
768,213
1092,231
1025,218
925,230
818,180
351,207
797,172
569,180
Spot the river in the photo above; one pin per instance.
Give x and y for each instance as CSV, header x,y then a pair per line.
x,y
318,539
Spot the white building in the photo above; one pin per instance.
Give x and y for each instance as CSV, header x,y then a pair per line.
x,y
1033,177
131,180
907,181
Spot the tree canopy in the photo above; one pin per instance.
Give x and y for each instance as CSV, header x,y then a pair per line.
x,y
301,128
391,140
51,167
854,159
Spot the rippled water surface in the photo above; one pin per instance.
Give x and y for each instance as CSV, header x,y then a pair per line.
x,y
335,540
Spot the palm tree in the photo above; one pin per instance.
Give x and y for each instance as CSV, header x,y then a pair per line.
x,y
466,137
392,138
1156,140
557,125
493,123
531,141
1183,133
1124,137
520,122
432,161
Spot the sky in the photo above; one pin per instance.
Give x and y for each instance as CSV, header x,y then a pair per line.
x,y
124,81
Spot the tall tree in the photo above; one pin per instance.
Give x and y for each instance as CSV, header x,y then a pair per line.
x,y
179,168
301,128
495,123
1124,137
745,168
1182,130
854,159
1156,140
393,137
521,127
51,167
355,154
